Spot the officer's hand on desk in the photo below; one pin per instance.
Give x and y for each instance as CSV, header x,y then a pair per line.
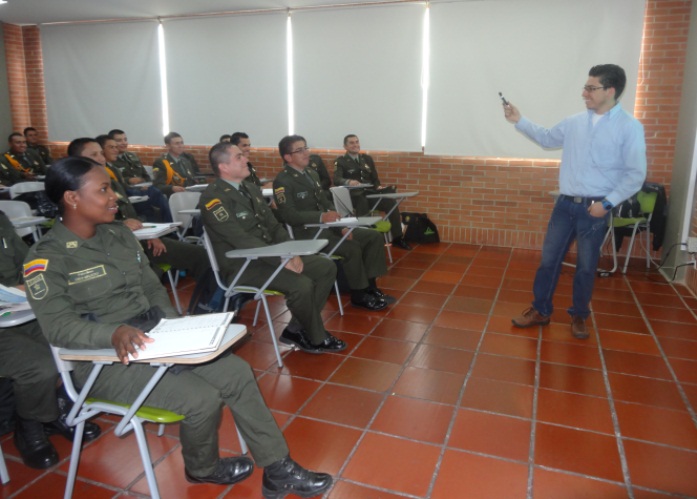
x,y
344,231
178,188
295,264
330,216
136,180
156,246
128,340
133,223
354,182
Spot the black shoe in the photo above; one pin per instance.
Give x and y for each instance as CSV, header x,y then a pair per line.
x,y
401,243
34,447
60,427
299,340
368,301
228,470
7,426
332,344
386,298
288,477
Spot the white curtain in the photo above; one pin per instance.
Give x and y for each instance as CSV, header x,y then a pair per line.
x,y
102,76
537,52
227,74
358,70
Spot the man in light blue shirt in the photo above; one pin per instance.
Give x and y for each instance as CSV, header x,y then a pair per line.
x,y
603,163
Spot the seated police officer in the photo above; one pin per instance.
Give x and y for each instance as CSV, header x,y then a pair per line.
x,y
355,168
236,216
301,200
26,360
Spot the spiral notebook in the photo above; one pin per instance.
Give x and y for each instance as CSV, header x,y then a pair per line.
x,y
186,335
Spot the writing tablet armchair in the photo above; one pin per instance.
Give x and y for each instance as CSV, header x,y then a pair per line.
x,y
133,415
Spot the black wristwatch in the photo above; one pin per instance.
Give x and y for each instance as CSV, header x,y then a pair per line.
x,y
606,204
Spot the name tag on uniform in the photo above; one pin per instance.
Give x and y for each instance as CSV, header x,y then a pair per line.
x,y
86,275
242,214
302,195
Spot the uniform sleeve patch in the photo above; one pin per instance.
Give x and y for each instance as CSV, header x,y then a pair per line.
x,y
38,265
280,193
212,204
221,214
37,287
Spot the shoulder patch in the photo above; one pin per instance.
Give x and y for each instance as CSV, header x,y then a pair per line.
x,y
37,286
213,203
38,265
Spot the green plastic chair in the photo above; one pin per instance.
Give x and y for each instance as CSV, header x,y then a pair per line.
x,y
647,202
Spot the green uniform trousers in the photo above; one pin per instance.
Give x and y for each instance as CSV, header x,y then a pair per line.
x,y
305,293
26,358
181,256
199,394
363,255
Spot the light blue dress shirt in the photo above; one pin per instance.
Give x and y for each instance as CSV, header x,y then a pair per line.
x,y
606,160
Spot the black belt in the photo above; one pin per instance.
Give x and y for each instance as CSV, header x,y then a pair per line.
x,y
580,199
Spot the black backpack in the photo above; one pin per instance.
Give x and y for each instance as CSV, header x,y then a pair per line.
x,y
419,229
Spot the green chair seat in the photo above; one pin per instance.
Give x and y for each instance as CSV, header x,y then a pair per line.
x,y
147,413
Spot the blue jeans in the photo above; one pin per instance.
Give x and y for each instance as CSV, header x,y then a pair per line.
x,y
569,221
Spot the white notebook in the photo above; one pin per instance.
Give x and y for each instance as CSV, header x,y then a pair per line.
x,y
186,335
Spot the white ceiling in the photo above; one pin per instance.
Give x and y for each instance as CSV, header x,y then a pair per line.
x,y
51,11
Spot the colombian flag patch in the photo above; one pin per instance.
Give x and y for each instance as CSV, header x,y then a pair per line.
x,y
212,204
38,265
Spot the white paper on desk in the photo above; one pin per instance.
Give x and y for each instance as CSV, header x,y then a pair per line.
x,y
150,231
12,300
344,221
185,335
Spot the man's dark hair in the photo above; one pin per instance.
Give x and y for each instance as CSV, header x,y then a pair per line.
x,y
236,137
170,136
286,143
76,147
30,129
101,139
225,138
219,153
115,131
14,134
349,136
610,76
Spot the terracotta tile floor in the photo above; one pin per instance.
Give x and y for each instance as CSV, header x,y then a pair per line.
x,y
440,397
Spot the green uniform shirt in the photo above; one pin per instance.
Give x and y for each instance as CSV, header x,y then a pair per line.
x,y
300,199
184,173
43,151
12,253
346,168
234,221
9,175
107,275
130,165
317,164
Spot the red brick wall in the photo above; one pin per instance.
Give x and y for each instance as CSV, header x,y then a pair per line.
x,y
472,200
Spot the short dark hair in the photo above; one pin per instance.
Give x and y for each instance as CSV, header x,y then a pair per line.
x,y
225,138
170,136
284,146
219,153
236,137
101,139
350,135
30,129
66,174
14,134
115,131
610,76
76,147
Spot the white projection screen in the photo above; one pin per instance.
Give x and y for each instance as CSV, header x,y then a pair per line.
x,y
358,70
228,74
537,52
102,76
